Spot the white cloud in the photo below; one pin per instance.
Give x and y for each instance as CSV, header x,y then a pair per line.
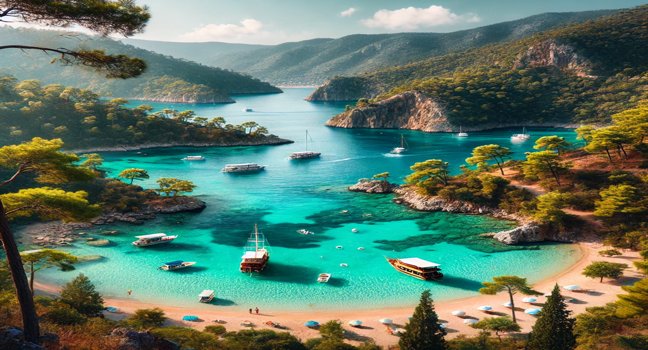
x,y
226,32
411,18
348,12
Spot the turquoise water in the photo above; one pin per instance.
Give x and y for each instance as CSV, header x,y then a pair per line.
x,y
292,195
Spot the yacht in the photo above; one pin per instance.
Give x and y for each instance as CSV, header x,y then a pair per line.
x,y
153,239
176,265
323,277
306,154
417,268
194,158
461,133
521,137
206,296
243,168
255,254
401,149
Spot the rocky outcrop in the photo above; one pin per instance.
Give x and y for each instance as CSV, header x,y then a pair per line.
x,y
530,233
343,89
373,186
552,53
132,340
12,338
410,110
170,205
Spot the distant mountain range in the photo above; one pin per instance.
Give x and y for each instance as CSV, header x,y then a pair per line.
x,y
166,78
312,62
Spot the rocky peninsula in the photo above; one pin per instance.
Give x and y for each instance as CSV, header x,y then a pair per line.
x,y
271,140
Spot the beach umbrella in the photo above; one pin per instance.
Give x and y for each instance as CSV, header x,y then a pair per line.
x,y
485,308
386,321
355,323
529,300
508,304
311,324
532,312
572,287
443,325
112,309
190,318
470,321
458,313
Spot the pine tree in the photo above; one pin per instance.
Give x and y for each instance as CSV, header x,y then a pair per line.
x,y
81,295
423,331
554,328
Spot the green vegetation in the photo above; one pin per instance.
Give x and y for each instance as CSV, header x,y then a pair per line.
x,y
604,269
172,187
482,154
497,325
552,143
41,259
147,318
554,329
80,294
423,331
429,174
510,284
609,252
133,174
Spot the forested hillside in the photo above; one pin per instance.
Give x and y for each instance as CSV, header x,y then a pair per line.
x,y
166,78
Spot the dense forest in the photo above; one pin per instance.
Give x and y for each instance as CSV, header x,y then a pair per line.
x,y
78,116
582,72
199,83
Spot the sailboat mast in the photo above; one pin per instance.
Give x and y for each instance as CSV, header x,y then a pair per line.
x,y
402,141
256,239
307,139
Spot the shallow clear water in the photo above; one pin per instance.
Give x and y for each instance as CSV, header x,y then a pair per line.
x,y
291,195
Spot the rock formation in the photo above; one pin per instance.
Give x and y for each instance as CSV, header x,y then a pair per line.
x,y
552,53
373,186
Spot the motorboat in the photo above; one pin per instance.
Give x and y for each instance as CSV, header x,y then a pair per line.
x,y
306,154
153,239
255,255
206,296
521,137
417,268
323,277
242,168
176,265
194,158
305,232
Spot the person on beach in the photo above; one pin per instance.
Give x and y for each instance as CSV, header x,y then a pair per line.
x,y
257,310
250,311
130,291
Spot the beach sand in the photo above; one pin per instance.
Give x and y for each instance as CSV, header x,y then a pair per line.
x,y
600,294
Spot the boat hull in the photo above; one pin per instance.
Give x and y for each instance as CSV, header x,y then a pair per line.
x,y
254,265
413,272
147,244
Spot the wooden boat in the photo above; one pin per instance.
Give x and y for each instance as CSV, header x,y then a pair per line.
x,y
401,149
242,168
176,265
206,296
255,256
153,239
305,154
323,277
417,268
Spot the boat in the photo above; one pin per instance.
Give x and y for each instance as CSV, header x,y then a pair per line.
x,y
305,154
323,277
153,239
344,265
194,158
305,232
206,296
461,133
355,230
401,149
339,247
417,268
176,265
248,109
242,168
255,255
521,137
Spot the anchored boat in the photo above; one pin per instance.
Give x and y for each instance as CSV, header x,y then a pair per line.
x,y
521,137
153,239
242,168
305,154
461,133
194,158
417,268
401,149
323,277
206,296
255,255
176,265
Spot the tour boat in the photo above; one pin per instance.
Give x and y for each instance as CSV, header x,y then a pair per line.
x,y
418,268
305,154
461,133
194,158
521,137
255,255
176,265
401,149
242,168
305,232
206,296
323,277
153,239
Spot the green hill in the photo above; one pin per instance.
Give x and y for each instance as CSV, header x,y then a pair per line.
x,y
315,61
166,79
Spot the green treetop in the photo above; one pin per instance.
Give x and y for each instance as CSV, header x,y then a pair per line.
x,y
44,258
549,208
510,284
81,295
604,269
423,331
382,176
429,174
542,165
635,120
585,133
133,174
620,201
332,332
482,154
92,161
172,186
635,302
497,325
554,329
552,143
610,138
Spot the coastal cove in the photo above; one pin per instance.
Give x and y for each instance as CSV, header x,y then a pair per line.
x,y
291,195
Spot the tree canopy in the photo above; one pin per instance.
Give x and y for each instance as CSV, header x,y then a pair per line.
x,y
172,186
497,325
423,331
604,269
44,258
482,154
552,143
429,174
133,174
553,329
81,295
510,284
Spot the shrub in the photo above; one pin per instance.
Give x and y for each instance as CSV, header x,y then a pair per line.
x,y
81,295
147,318
64,314
189,338
609,252
215,329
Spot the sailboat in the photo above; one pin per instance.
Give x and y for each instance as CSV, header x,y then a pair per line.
x,y
461,133
521,137
305,154
255,254
401,149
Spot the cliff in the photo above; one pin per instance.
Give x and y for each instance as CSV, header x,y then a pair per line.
x,y
552,53
344,89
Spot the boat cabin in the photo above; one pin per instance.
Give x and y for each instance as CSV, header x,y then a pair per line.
x,y
206,296
418,268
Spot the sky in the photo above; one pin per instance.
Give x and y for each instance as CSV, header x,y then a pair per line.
x,y
277,21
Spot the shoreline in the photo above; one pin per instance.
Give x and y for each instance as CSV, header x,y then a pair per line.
x,y
604,292
274,142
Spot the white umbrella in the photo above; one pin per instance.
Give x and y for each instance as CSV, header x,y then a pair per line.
x,y
508,304
572,287
386,321
533,311
443,325
529,300
485,308
470,321
355,323
458,313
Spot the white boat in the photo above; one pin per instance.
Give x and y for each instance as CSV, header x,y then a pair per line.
x,y
401,149
355,230
323,277
521,137
153,239
194,158
206,296
176,265
242,168
461,133
305,232
305,154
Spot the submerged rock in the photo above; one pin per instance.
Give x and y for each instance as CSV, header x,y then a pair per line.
x,y
168,205
373,186
98,242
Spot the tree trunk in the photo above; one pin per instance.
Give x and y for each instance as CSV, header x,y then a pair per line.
x,y
512,305
608,154
23,293
601,281
554,173
31,277
623,150
132,179
499,166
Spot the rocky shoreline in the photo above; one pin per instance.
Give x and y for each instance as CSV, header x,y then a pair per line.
x,y
373,186
52,234
268,141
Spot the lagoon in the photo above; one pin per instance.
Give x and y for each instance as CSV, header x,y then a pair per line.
x,y
311,194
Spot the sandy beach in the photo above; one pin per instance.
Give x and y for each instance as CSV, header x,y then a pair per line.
x,y
599,294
